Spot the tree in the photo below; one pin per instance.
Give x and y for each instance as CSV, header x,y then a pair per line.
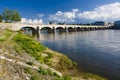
x,y
7,15
11,16
15,16
0,18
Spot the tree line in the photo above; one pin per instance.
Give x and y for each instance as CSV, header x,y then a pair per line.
x,y
10,16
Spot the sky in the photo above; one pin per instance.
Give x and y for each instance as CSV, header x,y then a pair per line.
x,y
68,11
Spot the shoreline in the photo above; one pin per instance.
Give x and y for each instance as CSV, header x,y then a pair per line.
x,y
22,45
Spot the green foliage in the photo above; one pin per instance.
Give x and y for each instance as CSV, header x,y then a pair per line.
x,y
66,62
92,76
29,45
28,70
64,78
11,15
7,15
4,36
34,77
47,72
50,55
18,49
15,16
0,18
42,71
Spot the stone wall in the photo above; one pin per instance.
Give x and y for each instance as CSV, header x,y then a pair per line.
x,y
6,25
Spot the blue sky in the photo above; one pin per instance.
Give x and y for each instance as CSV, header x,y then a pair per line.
x,y
42,9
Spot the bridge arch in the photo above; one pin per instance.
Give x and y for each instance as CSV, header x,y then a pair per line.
x,y
46,29
28,30
86,28
79,28
71,29
60,29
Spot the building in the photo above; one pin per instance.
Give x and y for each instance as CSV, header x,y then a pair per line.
x,y
100,23
116,25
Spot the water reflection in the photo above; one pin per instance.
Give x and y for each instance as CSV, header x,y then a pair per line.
x,y
94,51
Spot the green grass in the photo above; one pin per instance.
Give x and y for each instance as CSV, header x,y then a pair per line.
x,y
63,78
33,74
35,49
47,72
34,77
28,44
32,47
5,35
92,76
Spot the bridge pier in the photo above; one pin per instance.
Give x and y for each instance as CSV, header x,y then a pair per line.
x,y
66,29
38,32
54,30
75,29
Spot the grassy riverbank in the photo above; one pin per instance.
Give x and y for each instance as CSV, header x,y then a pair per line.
x,y
24,58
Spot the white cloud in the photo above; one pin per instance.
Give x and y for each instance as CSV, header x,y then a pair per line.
x,y
109,12
30,21
40,15
60,16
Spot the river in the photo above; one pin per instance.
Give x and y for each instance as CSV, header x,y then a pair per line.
x,y
96,52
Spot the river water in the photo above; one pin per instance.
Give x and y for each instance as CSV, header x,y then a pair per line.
x,y
96,52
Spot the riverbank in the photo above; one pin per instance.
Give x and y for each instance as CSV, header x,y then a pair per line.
x,y
26,59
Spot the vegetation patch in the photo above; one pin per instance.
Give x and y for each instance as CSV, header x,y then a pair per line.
x,y
29,45
64,78
34,75
92,76
58,61
5,35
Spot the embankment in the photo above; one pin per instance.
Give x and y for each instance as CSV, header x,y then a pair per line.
x,y
23,58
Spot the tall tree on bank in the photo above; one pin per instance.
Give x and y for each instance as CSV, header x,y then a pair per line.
x,y
11,16
7,15
0,18
15,16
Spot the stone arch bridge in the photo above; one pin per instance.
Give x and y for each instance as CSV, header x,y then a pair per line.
x,y
17,27
36,28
